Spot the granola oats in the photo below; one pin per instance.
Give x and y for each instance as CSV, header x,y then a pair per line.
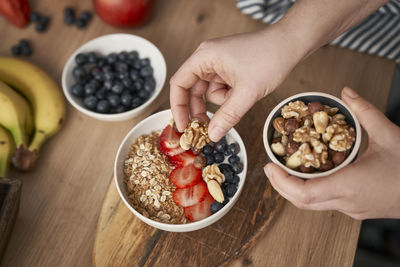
x,y
147,180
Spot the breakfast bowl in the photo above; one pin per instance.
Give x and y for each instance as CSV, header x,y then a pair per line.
x,y
328,140
114,77
153,124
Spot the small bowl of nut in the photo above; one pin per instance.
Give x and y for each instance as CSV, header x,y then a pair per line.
x,y
311,135
175,181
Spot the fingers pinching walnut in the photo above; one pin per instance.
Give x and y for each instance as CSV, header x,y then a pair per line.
x,y
305,133
195,135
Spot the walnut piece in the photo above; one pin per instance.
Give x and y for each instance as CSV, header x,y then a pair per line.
x,y
310,158
305,134
321,121
330,110
214,178
295,110
195,135
340,137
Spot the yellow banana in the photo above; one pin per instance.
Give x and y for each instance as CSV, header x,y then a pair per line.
x,y
46,99
15,115
6,150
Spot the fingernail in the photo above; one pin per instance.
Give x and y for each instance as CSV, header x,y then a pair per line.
x,y
267,171
216,133
350,92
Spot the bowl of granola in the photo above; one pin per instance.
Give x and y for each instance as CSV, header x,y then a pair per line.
x,y
179,182
311,135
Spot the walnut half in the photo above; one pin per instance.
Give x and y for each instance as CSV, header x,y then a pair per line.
x,y
214,178
195,135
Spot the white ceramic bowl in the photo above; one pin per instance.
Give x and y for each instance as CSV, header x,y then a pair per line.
x,y
116,43
325,99
156,122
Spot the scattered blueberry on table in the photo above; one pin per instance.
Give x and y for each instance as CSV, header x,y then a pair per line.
x,y
112,83
22,48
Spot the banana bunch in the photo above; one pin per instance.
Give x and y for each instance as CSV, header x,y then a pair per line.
x,y
6,150
32,113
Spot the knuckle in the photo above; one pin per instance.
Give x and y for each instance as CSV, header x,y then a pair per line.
x,y
205,44
173,80
365,106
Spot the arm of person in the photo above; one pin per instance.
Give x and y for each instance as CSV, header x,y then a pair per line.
x,y
236,71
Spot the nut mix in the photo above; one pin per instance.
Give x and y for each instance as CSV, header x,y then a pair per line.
x,y
172,177
312,137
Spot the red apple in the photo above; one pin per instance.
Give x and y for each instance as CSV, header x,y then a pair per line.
x,y
124,13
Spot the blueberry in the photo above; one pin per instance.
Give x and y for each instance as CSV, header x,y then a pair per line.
x,y
117,88
34,16
149,86
123,55
99,76
44,20
221,146
133,55
69,20
210,160
90,89
138,84
107,68
127,83
144,95
226,169
146,71
120,109
136,101
114,100
100,62
121,67
235,180
101,94
92,57
78,72
208,150
23,42
80,23
40,27
85,15
227,152
136,64
103,106
234,148
230,190
108,85
126,100
80,59
144,62
237,167
234,158
108,75
90,102
134,74
219,157
15,50
216,206
122,75
26,50
77,90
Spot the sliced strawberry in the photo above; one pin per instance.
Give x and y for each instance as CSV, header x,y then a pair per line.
x,y
201,210
169,142
185,176
183,159
190,196
15,11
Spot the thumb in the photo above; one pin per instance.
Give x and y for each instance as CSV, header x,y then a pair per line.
x,y
230,113
372,119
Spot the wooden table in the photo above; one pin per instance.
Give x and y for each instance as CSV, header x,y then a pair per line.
x,y
62,196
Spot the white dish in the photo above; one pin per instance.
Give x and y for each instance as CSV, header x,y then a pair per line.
x,y
156,122
325,99
116,43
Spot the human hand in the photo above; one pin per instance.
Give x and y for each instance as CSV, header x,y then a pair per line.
x,y
368,188
233,72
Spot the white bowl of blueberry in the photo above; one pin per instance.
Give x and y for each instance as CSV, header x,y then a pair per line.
x,y
176,188
114,77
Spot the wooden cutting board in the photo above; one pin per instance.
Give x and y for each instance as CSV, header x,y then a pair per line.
x,y
124,240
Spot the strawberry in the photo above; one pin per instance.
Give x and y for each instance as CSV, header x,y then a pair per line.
x,y
190,196
201,210
169,142
15,11
182,159
185,176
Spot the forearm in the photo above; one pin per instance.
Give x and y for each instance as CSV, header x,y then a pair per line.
x,y
313,23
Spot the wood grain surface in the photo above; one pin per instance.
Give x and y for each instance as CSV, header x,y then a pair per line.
x,y
62,197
